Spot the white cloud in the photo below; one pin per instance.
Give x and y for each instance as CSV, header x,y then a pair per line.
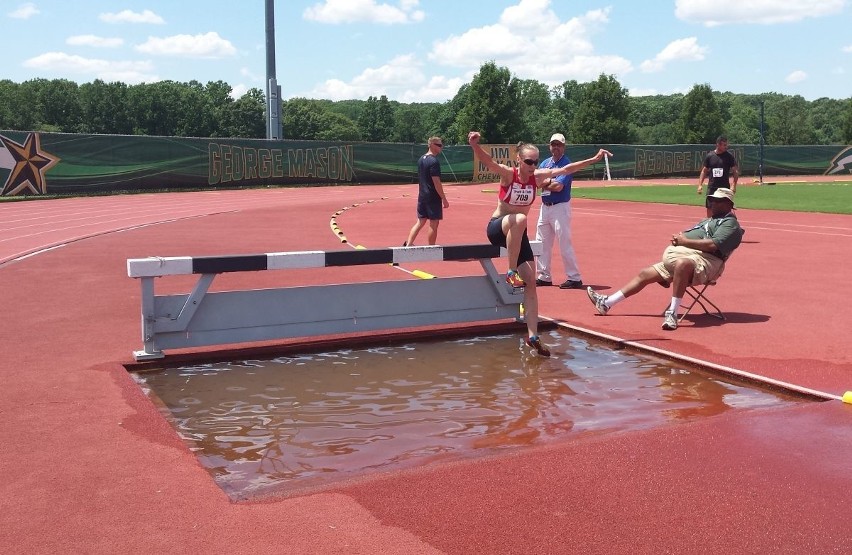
x,y
398,74
796,77
847,49
246,72
364,11
540,47
109,70
680,50
128,16
401,79
438,89
92,40
24,11
642,92
722,12
239,90
209,45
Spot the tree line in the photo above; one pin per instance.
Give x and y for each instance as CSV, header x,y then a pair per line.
x,y
506,109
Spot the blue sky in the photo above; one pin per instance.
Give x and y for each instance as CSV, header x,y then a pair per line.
x,y
423,50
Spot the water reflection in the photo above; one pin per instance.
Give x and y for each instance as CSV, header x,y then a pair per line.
x,y
304,420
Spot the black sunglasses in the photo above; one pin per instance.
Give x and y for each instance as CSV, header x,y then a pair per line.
x,y
438,144
529,162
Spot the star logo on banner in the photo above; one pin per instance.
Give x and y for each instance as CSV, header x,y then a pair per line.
x,y
30,164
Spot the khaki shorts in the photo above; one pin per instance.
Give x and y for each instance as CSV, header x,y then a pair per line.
x,y
707,267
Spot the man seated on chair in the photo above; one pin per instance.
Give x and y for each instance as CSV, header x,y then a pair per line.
x,y
696,256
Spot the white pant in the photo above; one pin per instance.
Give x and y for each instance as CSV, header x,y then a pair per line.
x,y
554,222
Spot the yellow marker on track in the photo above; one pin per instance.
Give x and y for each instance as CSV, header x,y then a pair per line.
x,y
422,275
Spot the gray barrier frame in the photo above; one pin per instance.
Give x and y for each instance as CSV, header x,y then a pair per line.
x,y
204,318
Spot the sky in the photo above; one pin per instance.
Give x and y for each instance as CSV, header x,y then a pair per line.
x,y
424,50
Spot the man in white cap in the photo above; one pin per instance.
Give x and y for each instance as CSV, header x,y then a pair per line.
x,y
695,256
554,220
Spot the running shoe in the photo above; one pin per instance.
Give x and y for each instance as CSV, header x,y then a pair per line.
x,y
598,300
539,347
669,321
513,278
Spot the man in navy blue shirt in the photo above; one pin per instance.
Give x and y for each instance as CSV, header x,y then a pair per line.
x,y
554,221
431,199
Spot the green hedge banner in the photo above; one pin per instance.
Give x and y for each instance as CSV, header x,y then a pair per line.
x,y
57,163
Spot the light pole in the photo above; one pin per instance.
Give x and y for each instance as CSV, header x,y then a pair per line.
x,y
274,129
760,164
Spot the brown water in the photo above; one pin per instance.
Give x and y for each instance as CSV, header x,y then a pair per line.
x,y
300,421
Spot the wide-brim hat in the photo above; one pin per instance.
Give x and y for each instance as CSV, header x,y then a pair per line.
x,y
725,193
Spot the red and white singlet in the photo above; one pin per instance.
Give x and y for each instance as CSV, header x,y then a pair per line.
x,y
517,193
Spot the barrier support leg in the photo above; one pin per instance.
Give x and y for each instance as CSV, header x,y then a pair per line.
x,y
150,350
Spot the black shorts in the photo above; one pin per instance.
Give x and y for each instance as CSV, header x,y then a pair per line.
x,y
430,209
494,231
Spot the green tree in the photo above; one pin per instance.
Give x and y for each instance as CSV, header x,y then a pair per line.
x,y
491,106
245,117
701,119
410,123
787,121
304,118
565,101
536,111
376,120
16,112
847,123
826,119
104,108
57,103
218,102
602,116
743,125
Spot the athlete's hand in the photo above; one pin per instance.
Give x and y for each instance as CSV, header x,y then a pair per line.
x,y
473,137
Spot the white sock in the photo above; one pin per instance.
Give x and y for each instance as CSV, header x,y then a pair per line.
x,y
675,304
614,299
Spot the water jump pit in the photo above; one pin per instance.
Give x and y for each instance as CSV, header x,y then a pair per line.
x,y
298,423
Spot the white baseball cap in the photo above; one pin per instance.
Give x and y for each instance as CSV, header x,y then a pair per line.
x,y
559,137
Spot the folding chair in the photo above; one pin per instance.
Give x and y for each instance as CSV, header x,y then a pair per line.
x,y
699,297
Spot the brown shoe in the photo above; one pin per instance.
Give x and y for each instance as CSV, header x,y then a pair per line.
x,y
539,347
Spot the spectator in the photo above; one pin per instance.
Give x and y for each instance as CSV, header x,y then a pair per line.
x,y
695,256
431,199
554,220
721,170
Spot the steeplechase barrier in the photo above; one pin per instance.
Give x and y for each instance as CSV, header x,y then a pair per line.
x,y
204,318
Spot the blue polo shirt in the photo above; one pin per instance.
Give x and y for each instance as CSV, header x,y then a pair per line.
x,y
556,197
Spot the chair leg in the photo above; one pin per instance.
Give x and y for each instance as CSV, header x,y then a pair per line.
x,y
698,297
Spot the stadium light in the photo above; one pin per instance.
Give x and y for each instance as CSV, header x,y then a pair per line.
x,y
274,129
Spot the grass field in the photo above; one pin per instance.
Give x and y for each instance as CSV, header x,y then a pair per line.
x,y
829,197
832,198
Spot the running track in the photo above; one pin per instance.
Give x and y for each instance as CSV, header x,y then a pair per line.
x,y
90,466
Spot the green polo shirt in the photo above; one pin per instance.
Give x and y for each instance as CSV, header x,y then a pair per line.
x,y
725,232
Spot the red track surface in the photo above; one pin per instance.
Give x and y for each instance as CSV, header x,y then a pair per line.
x,y
90,466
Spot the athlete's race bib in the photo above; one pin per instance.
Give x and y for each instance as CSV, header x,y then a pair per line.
x,y
718,172
521,196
